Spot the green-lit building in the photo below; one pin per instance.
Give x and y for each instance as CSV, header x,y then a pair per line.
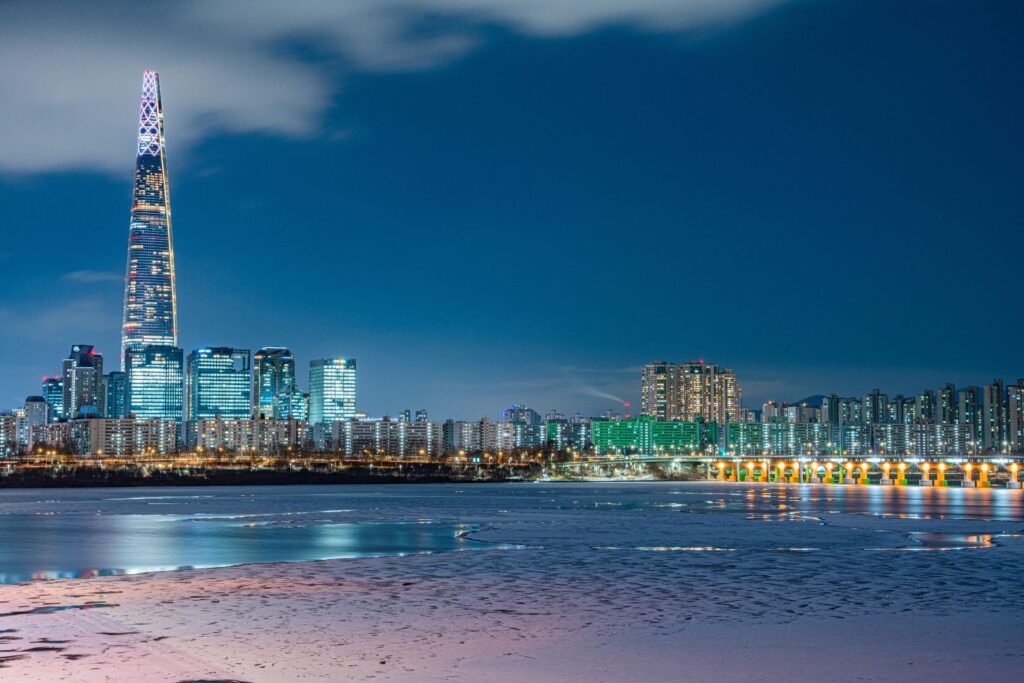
x,y
646,435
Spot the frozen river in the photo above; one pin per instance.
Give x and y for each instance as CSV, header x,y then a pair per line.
x,y
68,533
516,582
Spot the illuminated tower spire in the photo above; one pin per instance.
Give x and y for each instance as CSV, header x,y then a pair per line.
x,y
150,303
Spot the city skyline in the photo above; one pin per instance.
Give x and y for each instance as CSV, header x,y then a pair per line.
x,y
466,330
510,341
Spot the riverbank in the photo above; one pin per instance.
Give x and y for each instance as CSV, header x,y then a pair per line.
x,y
413,473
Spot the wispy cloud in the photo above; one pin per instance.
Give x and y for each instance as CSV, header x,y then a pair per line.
x,y
69,319
72,95
613,386
91,276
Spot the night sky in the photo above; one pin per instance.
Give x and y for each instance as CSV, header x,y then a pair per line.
x,y
489,202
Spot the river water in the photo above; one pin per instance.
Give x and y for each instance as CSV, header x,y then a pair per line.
x,y
69,533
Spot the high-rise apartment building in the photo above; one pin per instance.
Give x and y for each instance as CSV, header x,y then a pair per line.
x,y
1015,417
155,375
38,413
150,315
273,382
82,376
521,414
969,416
709,393
218,384
993,417
875,407
658,394
690,392
945,405
901,410
924,407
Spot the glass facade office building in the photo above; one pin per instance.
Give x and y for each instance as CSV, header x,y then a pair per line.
x,y
332,390
150,313
219,384
116,387
53,393
274,384
155,382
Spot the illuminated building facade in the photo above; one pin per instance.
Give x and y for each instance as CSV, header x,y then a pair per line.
x,y
37,413
332,390
1015,416
150,314
252,436
53,393
219,384
106,437
646,435
300,406
659,391
273,383
390,438
332,397
115,385
695,391
993,417
82,373
155,382
8,435
565,434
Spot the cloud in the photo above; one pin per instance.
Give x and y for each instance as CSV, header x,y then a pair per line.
x,y
73,70
71,319
92,276
606,384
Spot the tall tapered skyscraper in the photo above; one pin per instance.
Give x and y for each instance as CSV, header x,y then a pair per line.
x,y
150,307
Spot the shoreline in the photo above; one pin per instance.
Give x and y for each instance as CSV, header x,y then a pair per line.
x,y
414,473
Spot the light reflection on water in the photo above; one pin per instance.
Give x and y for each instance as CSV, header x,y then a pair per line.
x,y
77,533
80,546
902,502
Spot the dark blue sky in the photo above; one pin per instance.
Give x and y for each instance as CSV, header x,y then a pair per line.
x,y
824,196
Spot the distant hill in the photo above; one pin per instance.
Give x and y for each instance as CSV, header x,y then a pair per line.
x,y
813,401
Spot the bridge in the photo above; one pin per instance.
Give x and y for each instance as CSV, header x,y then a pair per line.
x,y
975,471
